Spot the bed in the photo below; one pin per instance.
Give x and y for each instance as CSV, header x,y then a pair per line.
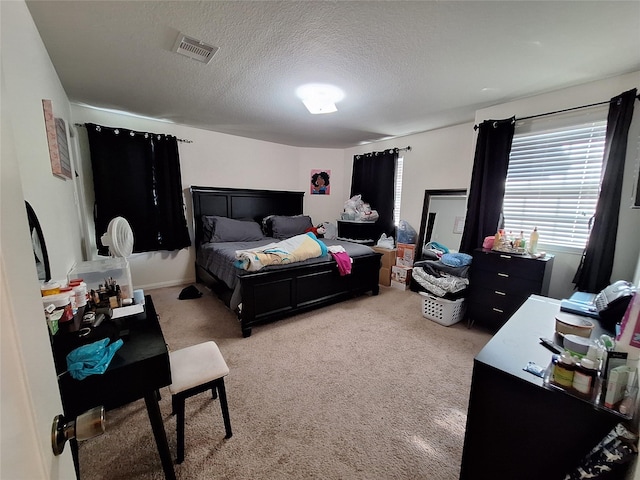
x,y
275,291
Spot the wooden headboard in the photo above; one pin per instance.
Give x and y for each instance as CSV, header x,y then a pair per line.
x,y
242,203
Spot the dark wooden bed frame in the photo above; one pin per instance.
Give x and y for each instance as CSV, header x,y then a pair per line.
x,y
272,294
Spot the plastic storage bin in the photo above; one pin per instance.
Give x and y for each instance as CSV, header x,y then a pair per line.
x,y
440,310
96,272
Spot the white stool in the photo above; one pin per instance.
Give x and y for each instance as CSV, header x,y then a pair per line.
x,y
194,370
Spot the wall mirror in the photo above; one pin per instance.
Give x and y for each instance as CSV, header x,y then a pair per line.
x,y
39,246
443,215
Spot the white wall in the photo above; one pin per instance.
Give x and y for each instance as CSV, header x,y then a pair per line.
x,y
30,78
627,245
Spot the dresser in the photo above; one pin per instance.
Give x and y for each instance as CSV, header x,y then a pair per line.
x,y
364,232
499,283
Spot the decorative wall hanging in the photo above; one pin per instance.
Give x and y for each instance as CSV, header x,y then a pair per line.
x,y
320,182
56,129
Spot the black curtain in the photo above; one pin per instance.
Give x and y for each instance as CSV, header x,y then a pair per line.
x,y
594,271
374,177
136,175
486,192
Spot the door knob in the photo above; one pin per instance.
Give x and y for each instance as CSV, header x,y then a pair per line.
x,y
88,425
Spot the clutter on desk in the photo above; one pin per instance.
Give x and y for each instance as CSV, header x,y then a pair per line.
x,y
69,306
597,370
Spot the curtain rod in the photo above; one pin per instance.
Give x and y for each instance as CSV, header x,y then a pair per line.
x,y
475,127
178,139
403,149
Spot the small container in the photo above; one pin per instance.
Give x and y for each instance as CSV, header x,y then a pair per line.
x,y
80,291
569,324
563,371
584,377
50,288
61,302
72,298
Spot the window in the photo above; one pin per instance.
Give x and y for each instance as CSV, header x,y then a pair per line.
x,y
553,181
398,191
136,175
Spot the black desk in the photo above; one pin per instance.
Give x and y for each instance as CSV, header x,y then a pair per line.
x,y
516,426
138,369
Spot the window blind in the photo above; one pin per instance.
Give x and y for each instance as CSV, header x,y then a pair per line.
x,y
553,183
398,191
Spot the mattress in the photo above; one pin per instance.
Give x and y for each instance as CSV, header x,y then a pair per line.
x,y
219,258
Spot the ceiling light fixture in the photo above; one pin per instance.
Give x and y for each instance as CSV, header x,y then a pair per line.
x,y
320,98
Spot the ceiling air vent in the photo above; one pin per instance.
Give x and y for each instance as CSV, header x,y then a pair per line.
x,y
192,48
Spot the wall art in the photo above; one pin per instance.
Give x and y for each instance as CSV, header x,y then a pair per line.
x,y
320,182
56,130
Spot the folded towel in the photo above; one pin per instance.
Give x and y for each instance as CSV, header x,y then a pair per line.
x,y
456,259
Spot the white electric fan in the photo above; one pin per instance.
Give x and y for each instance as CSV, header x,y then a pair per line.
x,y
119,238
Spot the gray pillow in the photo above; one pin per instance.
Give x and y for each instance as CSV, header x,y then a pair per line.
x,y
285,227
207,228
225,229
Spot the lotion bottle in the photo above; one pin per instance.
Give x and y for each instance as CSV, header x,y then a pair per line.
x,y
533,241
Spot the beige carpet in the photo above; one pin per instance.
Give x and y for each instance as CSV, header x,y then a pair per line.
x,y
363,389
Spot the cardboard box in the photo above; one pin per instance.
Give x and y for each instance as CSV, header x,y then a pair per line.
x,y
387,261
384,277
388,258
405,255
401,274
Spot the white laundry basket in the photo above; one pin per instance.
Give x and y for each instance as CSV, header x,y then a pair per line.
x,y
440,310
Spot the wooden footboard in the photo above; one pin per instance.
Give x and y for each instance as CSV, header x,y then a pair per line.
x,y
270,295
267,296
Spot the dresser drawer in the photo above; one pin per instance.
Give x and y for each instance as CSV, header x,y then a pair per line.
x,y
506,264
496,300
505,282
490,317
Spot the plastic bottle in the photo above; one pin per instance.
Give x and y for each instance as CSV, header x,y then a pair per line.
x,y
533,241
72,298
497,240
584,377
564,370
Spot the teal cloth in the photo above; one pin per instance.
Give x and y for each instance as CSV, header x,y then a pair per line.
x,y
456,259
91,359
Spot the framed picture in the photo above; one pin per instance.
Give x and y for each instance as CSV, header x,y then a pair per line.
x,y
56,130
320,182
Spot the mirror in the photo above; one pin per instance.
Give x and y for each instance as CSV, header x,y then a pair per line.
x,y
39,246
443,215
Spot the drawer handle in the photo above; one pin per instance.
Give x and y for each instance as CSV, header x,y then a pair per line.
x,y
505,275
497,310
505,256
497,292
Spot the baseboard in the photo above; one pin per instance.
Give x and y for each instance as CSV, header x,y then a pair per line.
x,y
170,283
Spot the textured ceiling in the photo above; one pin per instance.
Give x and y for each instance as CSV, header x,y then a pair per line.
x,y
405,67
